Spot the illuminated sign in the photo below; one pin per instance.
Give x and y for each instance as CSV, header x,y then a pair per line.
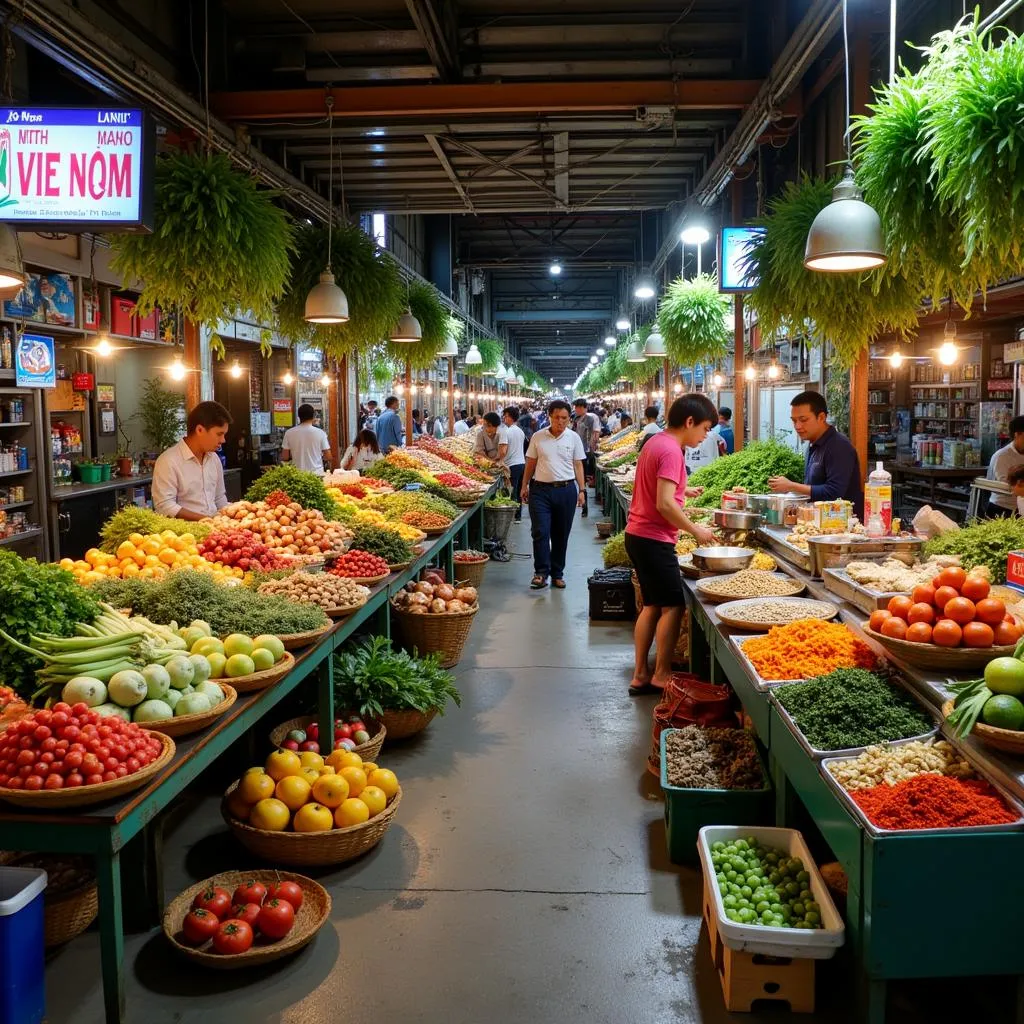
x,y
733,247
75,168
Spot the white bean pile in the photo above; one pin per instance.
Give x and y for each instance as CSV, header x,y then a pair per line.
x,y
750,583
776,613
320,588
896,764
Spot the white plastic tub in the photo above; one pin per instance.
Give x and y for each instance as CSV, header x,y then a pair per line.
x,y
797,943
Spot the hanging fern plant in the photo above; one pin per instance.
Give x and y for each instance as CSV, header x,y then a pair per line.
x,y
847,309
490,352
691,317
639,373
376,371
366,274
425,304
219,243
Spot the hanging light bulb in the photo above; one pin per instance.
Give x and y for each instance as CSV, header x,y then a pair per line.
x,y
288,380
896,360
773,371
696,234
600,351
325,381
500,373
593,360
456,394
473,357
12,266
750,373
611,341
429,389
555,269
677,388
235,370
451,347
407,330
635,353
644,288
655,345
472,395
413,389
102,349
948,350
718,380
622,324
177,369
399,389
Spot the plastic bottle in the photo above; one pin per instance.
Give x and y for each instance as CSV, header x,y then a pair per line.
x,y
878,502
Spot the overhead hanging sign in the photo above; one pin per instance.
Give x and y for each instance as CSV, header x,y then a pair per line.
x,y
76,168
34,362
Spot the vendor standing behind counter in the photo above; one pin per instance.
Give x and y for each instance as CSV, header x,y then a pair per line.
x,y
1002,463
832,469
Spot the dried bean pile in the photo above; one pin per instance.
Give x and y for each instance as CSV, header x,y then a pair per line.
x,y
319,588
890,765
751,583
698,758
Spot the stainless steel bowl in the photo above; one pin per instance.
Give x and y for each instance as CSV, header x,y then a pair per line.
x,y
722,559
835,551
730,520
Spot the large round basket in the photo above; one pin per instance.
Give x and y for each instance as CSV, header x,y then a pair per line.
x,y
498,521
368,751
83,796
293,641
70,901
399,566
261,680
342,611
435,531
949,659
403,724
368,581
1010,741
444,634
185,725
471,573
312,848
310,917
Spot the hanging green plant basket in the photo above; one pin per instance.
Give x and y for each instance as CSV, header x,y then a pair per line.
x,y
847,309
425,304
691,318
639,373
219,243
376,371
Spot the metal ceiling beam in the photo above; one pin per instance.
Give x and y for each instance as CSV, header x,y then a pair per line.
x,y
434,22
473,151
590,35
442,158
484,98
551,315
503,164
689,127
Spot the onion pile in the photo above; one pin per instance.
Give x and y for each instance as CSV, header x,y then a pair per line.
x,y
424,598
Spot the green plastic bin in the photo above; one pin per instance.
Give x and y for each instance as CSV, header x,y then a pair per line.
x,y
689,810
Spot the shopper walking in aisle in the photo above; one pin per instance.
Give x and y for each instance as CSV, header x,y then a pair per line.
x,y
363,452
372,414
440,428
307,445
655,518
725,430
650,422
389,426
491,444
461,426
554,468
527,424
588,425
417,423
515,456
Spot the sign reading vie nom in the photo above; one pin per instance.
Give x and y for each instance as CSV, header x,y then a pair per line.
x,y
75,168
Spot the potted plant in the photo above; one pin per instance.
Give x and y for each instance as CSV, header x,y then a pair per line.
x,y
124,454
161,412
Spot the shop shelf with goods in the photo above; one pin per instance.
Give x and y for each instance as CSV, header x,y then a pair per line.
x,y
22,465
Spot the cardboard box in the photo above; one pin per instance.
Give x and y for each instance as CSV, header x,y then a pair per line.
x,y
1015,570
122,313
147,327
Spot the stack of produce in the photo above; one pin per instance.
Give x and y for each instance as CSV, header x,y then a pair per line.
x,y
308,793
807,648
241,549
896,577
995,699
305,489
238,654
470,555
426,521
982,544
376,484
749,469
934,801
606,444
458,482
320,588
425,598
353,490
131,520
347,736
622,443
231,923
288,527
851,707
384,543
149,556
453,451
397,504
699,758
354,514
359,565
894,764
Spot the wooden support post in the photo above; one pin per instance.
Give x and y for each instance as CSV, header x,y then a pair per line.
x,y
193,366
355,379
451,396
339,421
408,403
738,340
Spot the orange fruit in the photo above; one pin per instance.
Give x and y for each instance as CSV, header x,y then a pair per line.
x,y
293,791
125,549
270,814
375,799
356,779
311,759
339,759
255,786
281,763
368,767
351,812
330,790
385,779
310,775
313,818
167,556
237,807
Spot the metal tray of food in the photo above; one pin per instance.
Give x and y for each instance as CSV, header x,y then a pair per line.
x,y
775,538
833,552
872,829
760,682
734,613
838,582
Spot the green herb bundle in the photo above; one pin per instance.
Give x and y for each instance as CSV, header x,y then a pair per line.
x,y
373,677
691,317
750,468
132,519
37,598
185,595
614,551
852,708
397,476
407,501
384,543
984,543
301,486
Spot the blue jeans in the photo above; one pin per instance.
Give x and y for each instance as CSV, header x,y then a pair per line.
x,y
516,474
551,513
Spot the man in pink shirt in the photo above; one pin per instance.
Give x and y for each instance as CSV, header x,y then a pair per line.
x,y
655,518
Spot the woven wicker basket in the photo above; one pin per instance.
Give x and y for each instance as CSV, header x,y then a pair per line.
x,y
185,725
69,906
471,573
293,641
443,634
261,680
403,724
310,917
1010,741
368,751
312,848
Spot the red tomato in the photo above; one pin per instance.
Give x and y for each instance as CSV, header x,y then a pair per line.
x,y
919,633
250,892
876,621
233,937
290,891
216,900
247,912
943,596
960,609
978,634
921,612
894,627
946,633
975,587
990,610
199,926
1007,633
900,606
276,918
953,577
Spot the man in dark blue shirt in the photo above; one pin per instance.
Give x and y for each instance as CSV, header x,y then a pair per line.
x,y
832,469
389,427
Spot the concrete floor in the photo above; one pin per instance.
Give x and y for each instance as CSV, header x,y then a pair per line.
x,y
524,882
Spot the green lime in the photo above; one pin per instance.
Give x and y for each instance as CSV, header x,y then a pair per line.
x,y
1005,675
1003,712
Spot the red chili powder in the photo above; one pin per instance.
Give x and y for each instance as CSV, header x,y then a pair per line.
x,y
934,801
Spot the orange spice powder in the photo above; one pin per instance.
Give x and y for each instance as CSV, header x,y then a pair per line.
x,y
807,648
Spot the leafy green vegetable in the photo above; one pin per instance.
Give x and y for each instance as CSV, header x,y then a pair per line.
x,y
132,519
751,468
37,598
305,488
373,677
184,596
382,542
405,501
614,551
983,543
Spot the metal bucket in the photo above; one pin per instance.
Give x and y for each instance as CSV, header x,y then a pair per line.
x,y
498,521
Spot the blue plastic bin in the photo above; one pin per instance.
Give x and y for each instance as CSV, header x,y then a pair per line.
x,y
22,991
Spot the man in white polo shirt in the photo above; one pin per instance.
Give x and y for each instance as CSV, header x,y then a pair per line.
x,y
188,479
306,444
554,465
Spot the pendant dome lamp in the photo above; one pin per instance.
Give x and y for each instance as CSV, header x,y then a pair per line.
x,y
846,236
12,265
644,288
611,341
473,357
655,345
519,379
451,347
500,373
326,303
635,352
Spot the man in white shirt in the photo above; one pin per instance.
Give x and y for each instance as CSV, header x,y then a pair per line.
x,y
515,456
650,421
188,479
461,426
554,465
491,442
705,453
306,444
1002,462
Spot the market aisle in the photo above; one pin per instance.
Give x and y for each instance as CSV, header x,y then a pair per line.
x,y
525,879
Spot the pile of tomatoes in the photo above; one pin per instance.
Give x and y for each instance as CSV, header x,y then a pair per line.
x,y
64,747
954,610
359,565
242,548
233,921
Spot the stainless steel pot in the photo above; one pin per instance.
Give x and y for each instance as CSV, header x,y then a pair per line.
x,y
729,520
722,559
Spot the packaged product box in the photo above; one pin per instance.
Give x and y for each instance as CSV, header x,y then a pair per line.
x,y
57,292
1015,570
833,516
122,312
28,303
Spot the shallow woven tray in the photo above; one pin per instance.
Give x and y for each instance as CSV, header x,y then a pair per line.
x,y
952,659
309,918
706,587
403,724
269,676
442,633
293,641
312,848
69,912
185,725
342,610
435,532
83,796
368,581
733,616
368,751
1010,741
399,566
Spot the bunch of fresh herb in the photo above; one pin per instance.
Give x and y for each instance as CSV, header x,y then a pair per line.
x,y
691,317
750,468
305,488
614,551
384,543
132,519
397,476
984,543
373,677
394,505
37,598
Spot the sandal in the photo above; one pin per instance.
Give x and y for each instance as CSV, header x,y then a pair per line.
x,y
643,689
538,583
558,584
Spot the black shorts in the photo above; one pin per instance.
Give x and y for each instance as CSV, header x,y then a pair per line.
x,y
657,569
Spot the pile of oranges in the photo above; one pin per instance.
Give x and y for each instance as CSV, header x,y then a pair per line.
x,y
305,792
146,556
